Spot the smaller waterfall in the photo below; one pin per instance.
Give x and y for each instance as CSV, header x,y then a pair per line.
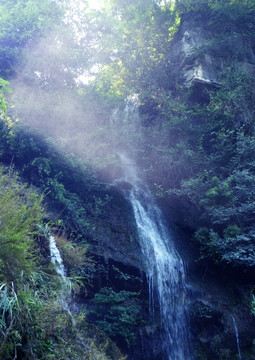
x,y
237,338
57,260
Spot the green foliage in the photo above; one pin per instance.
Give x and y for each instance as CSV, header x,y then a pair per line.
x,y
18,221
109,84
63,177
20,22
219,9
75,258
231,231
33,324
118,313
3,88
252,304
234,247
135,37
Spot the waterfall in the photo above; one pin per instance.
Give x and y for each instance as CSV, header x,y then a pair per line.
x,y
237,338
164,266
57,260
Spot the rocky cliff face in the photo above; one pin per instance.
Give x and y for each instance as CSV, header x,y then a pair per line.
x,y
116,238
191,66
199,54
222,325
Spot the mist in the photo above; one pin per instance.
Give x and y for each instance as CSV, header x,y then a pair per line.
x,y
49,98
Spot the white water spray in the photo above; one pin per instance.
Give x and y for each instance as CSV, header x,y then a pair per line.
x,y
57,260
164,266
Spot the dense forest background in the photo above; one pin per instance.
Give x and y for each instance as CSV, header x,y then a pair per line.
x,y
169,83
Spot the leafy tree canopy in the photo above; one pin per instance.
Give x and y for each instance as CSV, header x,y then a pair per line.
x,y
20,22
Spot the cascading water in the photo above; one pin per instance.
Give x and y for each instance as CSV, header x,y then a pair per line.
x,y
164,266
57,260
237,338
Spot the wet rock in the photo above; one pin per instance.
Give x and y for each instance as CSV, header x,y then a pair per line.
x,y
220,330
116,236
150,343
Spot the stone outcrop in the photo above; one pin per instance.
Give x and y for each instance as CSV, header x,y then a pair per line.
x,y
220,330
191,65
197,57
